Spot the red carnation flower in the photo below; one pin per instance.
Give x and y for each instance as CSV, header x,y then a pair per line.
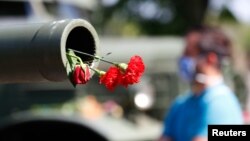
x,y
111,78
134,71
80,75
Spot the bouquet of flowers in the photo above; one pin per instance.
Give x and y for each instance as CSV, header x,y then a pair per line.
x,y
118,74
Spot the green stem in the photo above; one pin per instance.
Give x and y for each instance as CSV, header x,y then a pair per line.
x,y
99,72
78,58
96,57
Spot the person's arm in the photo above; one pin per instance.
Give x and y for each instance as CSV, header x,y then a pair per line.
x,y
168,122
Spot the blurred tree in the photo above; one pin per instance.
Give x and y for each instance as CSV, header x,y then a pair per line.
x,y
149,17
227,16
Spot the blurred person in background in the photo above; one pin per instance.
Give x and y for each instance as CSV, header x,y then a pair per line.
x,y
210,100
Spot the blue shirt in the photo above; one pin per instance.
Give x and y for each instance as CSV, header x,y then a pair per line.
x,y
190,115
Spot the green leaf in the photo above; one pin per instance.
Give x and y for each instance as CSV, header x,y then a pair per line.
x,y
73,59
69,71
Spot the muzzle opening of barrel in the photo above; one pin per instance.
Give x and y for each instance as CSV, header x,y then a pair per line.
x,y
81,39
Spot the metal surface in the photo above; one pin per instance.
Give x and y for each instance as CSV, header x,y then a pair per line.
x,y
37,52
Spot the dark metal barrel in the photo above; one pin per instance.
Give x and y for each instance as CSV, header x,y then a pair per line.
x,y
36,52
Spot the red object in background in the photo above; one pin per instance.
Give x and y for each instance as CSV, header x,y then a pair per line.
x,y
134,71
246,116
81,76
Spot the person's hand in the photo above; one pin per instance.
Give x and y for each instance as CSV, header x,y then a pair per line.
x,y
200,139
163,138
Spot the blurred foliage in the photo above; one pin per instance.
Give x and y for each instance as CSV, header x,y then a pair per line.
x,y
227,16
240,89
149,17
